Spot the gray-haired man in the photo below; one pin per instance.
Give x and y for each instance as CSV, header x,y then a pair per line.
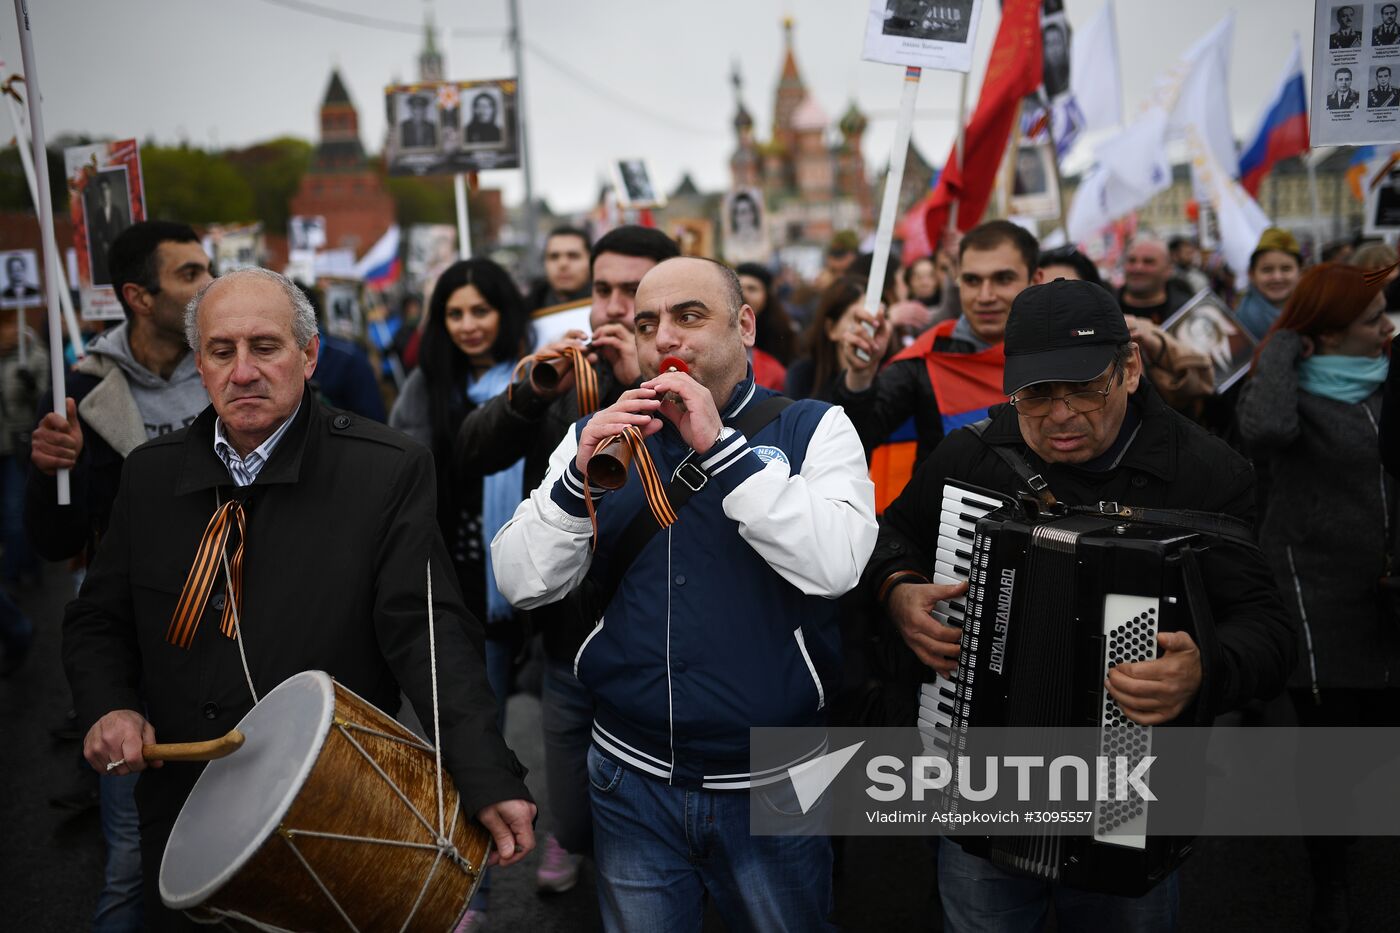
x,y
339,522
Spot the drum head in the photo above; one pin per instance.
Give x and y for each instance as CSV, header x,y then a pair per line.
x,y
239,800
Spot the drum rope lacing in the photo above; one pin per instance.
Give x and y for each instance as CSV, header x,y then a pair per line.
x,y
442,845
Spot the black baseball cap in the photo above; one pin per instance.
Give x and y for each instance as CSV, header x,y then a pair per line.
x,y
1062,331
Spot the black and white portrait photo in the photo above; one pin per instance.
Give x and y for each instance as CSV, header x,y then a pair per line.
x,y
1034,191
417,122
942,21
306,233
1031,177
1383,92
1347,34
1343,96
634,185
745,226
484,115
106,213
1206,325
343,308
745,216
1055,72
1387,30
21,284
451,126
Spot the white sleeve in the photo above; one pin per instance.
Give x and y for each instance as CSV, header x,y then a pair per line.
x,y
544,551
817,528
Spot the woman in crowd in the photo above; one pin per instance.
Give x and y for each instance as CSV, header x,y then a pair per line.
x,y
774,338
928,283
1274,267
1310,412
476,330
823,358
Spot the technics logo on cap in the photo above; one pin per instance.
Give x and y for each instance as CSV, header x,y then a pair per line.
x,y
1083,332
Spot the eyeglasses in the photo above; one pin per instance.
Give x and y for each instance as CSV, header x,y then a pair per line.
x,y
1081,403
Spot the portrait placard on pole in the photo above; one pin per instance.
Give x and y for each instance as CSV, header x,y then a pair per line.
x,y
1355,74
446,127
924,35
106,195
21,287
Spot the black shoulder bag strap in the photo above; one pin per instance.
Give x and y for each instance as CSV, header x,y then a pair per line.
x,y
687,481
1216,524
1033,480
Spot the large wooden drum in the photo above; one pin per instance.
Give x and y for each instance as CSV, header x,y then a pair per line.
x,y
326,819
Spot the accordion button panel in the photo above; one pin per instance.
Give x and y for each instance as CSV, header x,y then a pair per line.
x,y
1130,626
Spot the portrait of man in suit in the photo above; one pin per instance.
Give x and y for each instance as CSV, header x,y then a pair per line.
x,y
107,212
1383,93
1342,96
417,130
1345,37
20,289
1388,32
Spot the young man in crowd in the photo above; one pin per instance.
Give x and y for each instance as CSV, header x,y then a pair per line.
x,y
523,423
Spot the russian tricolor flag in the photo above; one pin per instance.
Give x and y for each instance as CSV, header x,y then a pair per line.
x,y
379,267
1283,130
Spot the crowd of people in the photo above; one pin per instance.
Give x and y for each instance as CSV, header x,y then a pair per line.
x,y
778,571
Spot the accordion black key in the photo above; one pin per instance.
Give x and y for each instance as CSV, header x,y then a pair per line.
x,y
1053,603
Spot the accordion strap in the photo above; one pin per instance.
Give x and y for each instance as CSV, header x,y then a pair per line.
x,y
1216,524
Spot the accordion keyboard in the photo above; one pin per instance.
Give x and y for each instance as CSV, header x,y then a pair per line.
x,y
952,564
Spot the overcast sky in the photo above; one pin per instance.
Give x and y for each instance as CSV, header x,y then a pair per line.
x,y
220,73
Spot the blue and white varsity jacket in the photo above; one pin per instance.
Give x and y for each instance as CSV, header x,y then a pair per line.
x,y
726,620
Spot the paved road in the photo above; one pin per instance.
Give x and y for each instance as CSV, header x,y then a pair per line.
x,y
51,862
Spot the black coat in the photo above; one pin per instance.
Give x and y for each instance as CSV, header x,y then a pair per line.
x,y
521,424
1171,464
341,525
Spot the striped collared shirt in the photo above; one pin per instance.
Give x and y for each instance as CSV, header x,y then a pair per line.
x,y
245,469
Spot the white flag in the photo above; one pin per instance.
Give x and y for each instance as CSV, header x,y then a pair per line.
x,y
1094,76
1196,92
1190,101
1198,118
1130,168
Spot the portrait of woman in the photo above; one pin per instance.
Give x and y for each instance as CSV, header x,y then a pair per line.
x,y
485,126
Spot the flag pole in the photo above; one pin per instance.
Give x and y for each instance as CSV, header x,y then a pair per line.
x,y
41,169
894,179
1055,161
464,233
1311,160
22,143
958,148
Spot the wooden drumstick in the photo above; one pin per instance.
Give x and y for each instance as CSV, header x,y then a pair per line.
x,y
194,751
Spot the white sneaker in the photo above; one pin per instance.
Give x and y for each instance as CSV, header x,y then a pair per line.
x,y
558,871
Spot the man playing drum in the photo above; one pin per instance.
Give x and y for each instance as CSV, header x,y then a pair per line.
x,y
327,522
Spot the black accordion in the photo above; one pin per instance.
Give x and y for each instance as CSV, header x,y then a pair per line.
x,y
1053,602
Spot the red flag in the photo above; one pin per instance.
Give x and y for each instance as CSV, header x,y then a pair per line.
x,y
1013,72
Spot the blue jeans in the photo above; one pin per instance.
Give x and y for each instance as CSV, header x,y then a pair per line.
x,y
979,897
567,717
119,905
660,850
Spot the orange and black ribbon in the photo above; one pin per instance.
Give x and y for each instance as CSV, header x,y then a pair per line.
x,y
585,379
205,571
652,486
